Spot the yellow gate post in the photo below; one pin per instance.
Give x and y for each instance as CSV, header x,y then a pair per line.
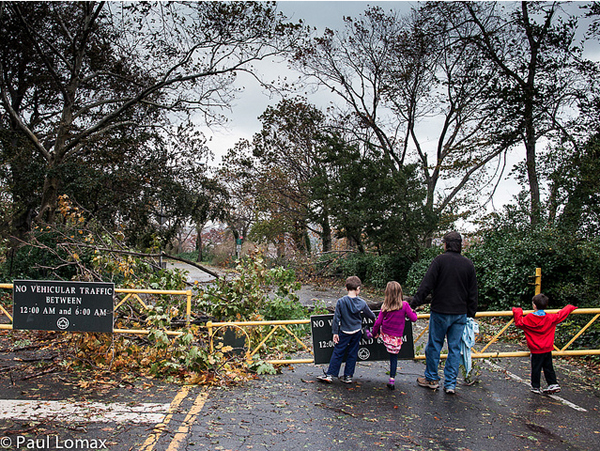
x,y
538,280
188,308
209,327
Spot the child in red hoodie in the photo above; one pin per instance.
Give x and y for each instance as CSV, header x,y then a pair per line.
x,y
539,328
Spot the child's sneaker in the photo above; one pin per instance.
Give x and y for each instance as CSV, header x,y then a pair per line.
x,y
391,384
346,379
536,390
554,388
325,378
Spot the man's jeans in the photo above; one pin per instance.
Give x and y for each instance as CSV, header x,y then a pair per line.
x,y
347,346
440,327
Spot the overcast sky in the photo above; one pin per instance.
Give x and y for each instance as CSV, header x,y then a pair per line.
x,y
243,119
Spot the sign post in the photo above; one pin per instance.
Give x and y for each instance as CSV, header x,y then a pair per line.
x,y
370,349
63,306
238,246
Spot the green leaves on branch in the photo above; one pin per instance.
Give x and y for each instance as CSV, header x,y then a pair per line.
x,y
252,292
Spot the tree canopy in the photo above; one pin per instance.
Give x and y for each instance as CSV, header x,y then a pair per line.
x,y
103,102
96,86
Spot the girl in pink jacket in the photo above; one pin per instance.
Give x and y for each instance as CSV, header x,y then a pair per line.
x,y
390,325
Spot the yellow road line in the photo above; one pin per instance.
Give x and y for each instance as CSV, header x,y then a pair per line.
x,y
160,427
184,429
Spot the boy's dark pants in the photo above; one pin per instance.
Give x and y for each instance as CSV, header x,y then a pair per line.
x,y
539,362
349,343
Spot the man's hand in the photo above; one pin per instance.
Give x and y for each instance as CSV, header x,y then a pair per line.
x,y
336,338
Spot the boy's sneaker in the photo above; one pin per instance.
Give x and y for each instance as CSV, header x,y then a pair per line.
x,y
346,379
325,378
536,390
450,391
423,382
554,388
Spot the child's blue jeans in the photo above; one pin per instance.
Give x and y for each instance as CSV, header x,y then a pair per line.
x,y
393,364
347,346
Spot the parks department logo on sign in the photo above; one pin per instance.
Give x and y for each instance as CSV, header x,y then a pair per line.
x,y
66,306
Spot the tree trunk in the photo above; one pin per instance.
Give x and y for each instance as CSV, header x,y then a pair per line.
x,y
530,140
56,159
49,201
301,238
280,244
199,243
326,233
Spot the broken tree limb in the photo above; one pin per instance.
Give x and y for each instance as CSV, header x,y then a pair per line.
x,y
189,262
141,254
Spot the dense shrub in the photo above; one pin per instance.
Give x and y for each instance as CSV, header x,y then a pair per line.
x,y
191,256
419,268
221,256
506,259
374,270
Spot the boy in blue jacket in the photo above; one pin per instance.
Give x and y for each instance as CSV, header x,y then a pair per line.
x,y
347,332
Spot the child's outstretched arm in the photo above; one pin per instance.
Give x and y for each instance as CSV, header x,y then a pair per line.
x,y
518,316
409,312
377,325
562,314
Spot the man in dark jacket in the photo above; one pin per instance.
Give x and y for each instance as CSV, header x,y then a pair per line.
x,y
452,282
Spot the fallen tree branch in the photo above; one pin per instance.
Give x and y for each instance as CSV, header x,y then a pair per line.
x,y
141,254
36,359
189,262
41,373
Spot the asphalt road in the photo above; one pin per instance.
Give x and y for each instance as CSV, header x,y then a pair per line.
x,y
293,411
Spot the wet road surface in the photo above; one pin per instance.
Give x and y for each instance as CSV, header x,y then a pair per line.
x,y
293,411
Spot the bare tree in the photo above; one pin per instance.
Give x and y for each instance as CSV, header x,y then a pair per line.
x,y
538,84
401,80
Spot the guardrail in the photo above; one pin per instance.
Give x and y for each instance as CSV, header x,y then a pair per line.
x,y
476,354
213,328
481,354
